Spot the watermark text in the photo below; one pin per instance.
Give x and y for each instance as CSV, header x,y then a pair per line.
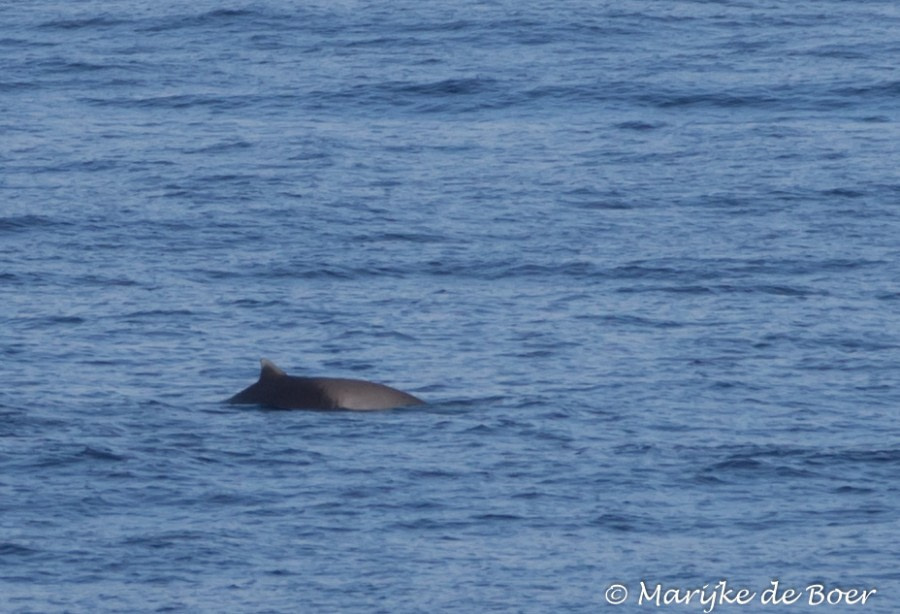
x,y
709,596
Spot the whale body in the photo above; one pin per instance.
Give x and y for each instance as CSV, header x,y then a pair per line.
x,y
276,388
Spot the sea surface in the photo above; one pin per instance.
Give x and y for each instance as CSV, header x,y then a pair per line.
x,y
642,259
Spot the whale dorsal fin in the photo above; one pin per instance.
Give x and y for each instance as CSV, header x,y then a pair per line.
x,y
269,370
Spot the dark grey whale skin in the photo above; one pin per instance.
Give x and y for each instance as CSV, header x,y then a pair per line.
x,y
276,388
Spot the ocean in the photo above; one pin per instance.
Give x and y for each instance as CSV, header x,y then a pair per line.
x,y
641,258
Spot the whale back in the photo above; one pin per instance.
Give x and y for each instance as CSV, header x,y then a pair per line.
x,y
360,394
276,388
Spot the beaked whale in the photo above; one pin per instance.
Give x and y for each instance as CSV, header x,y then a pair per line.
x,y
276,388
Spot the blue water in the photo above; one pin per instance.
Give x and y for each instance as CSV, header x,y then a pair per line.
x,y
642,258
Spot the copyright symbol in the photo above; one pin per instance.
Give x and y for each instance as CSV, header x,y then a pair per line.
x,y
616,594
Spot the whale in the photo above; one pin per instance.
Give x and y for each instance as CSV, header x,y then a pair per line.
x,y
277,389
